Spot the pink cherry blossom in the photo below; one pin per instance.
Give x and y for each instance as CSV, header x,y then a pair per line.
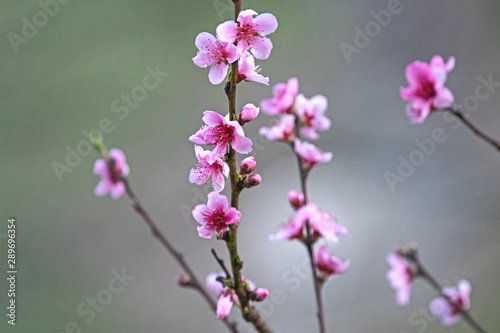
x,y
209,167
110,179
250,32
281,131
427,92
213,284
291,230
311,112
322,225
216,53
327,264
296,199
450,314
247,71
215,216
227,297
284,95
310,154
400,277
219,131
249,112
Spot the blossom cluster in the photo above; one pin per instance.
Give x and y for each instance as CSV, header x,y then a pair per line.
x,y
218,284
300,116
241,41
448,307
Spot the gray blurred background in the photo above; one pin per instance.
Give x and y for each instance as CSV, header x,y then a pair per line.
x,y
64,78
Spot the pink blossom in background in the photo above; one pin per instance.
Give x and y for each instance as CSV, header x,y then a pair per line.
x,y
248,71
249,112
216,53
291,230
215,216
311,112
427,92
400,277
215,286
322,223
327,264
310,154
284,95
250,32
296,199
110,181
225,303
219,131
281,131
209,167
450,314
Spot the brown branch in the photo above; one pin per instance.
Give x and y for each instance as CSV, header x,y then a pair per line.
x,y
177,255
424,273
473,128
303,172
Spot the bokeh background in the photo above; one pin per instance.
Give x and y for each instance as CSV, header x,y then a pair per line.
x,y
64,79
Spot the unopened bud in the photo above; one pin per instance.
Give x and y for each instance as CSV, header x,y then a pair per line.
x,y
296,199
249,113
252,180
247,165
260,294
183,280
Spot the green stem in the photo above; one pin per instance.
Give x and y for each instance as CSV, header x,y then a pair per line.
x,y
248,312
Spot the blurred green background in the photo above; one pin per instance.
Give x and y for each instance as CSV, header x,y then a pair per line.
x,y
65,77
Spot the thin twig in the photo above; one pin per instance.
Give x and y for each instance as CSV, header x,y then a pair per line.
x,y
309,242
177,255
424,273
473,128
221,264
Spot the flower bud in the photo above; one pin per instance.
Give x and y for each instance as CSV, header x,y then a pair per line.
x,y
252,180
249,113
296,199
183,280
247,165
260,294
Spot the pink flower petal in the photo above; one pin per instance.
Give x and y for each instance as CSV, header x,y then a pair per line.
x,y
224,305
102,188
266,24
217,202
261,48
227,31
218,73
